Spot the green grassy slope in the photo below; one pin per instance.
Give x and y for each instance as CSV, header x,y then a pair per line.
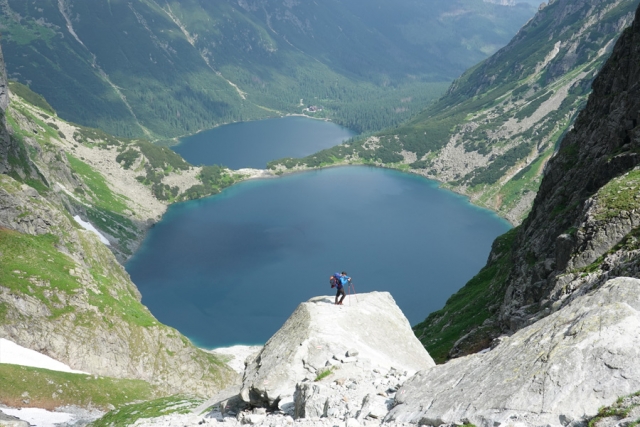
x,y
81,307
24,386
490,136
581,231
471,308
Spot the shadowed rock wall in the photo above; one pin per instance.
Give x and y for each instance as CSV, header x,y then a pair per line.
x,y
572,223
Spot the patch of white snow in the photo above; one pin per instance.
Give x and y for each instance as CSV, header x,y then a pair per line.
x,y
88,226
14,354
239,354
39,417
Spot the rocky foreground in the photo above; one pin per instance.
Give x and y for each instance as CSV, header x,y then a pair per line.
x,y
361,365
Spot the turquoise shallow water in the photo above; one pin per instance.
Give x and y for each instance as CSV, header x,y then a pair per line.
x,y
254,144
230,269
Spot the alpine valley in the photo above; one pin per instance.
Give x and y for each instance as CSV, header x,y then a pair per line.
x,y
491,134
160,68
544,131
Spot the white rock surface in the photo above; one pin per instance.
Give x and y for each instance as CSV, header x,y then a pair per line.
x,y
14,354
318,336
558,370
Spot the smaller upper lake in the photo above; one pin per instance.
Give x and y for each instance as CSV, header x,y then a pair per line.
x,y
254,144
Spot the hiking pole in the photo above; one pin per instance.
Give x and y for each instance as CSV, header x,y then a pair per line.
x,y
351,286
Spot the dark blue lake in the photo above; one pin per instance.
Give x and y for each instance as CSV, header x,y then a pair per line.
x,y
253,144
230,269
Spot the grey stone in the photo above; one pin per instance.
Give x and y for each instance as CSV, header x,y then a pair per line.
x,y
563,367
4,87
318,330
252,418
310,400
11,421
352,353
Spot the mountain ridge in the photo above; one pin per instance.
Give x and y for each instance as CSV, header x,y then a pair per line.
x,y
491,134
582,230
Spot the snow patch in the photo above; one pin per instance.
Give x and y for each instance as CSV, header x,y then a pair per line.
x,y
239,354
15,354
88,226
39,417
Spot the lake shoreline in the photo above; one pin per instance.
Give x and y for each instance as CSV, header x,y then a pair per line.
x,y
176,140
415,172
391,220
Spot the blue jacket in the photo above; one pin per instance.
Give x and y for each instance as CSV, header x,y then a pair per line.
x,y
344,280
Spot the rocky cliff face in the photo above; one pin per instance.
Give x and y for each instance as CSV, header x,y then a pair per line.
x,y
588,201
583,227
64,294
558,371
7,147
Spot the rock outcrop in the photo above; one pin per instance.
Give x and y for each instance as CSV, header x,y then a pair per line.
x,y
557,371
572,222
584,225
351,344
10,421
6,147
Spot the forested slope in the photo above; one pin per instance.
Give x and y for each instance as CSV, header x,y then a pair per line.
x,y
162,68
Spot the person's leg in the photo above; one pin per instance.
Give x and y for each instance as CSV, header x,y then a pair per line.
x,y
337,295
343,295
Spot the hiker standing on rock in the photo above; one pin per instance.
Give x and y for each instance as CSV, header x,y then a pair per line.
x,y
339,281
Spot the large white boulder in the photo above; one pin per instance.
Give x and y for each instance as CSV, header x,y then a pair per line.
x,y
556,371
365,334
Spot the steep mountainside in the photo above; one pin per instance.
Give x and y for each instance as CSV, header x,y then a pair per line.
x,y
490,136
164,68
121,186
582,230
62,291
